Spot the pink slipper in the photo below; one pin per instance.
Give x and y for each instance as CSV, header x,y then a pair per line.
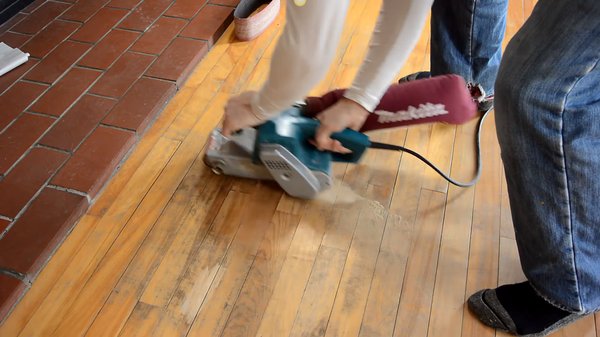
x,y
248,26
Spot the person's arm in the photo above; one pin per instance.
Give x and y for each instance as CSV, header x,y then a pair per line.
x,y
303,54
396,33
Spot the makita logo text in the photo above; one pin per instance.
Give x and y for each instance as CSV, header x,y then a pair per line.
x,y
423,111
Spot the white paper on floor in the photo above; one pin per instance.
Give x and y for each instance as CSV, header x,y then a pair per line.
x,y
10,58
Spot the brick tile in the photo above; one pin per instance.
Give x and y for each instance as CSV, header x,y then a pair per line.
x,y
78,122
177,62
56,32
158,37
232,3
11,290
100,24
121,75
14,40
14,75
185,9
83,10
36,234
142,17
3,226
17,99
109,49
19,137
33,6
126,4
95,160
11,22
27,178
65,92
57,62
209,24
42,16
141,104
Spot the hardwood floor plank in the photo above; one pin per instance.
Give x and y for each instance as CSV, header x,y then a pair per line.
x,y
439,153
95,292
53,309
87,304
262,279
312,313
410,174
384,296
222,282
528,6
448,298
585,327
197,223
189,214
282,306
219,51
485,230
141,322
417,291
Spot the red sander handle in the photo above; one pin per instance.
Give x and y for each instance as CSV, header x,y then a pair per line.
x,y
444,98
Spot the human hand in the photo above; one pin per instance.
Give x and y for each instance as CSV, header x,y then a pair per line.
x,y
345,113
239,114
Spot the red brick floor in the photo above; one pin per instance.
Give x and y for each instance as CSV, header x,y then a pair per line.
x,y
100,72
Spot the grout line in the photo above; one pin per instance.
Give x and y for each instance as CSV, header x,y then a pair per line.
x,y
39,191
58,119
49,23
43,146
70,190
195,39
160,79
57,1
220,5
176,17
142,53
78,66
23,79
116,127
41,114
15,274
125,29
105,97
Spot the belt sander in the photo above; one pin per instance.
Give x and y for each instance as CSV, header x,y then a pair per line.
x,y
280,149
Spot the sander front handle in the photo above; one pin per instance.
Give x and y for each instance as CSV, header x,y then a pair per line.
x,y
354,141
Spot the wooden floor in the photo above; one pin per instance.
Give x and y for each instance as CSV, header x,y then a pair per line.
x,y
169,249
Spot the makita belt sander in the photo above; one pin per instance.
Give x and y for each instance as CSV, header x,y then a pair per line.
x,y
280,149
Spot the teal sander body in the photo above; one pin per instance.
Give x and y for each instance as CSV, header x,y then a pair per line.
x,y
280,150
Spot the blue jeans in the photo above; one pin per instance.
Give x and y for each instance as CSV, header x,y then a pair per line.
x,y
466,39
548,124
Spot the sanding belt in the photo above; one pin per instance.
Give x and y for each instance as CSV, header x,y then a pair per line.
x,y
248,25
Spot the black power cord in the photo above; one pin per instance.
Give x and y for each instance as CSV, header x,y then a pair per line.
x,y
383,146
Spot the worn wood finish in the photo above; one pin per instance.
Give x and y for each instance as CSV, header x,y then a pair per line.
x,y
169,249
